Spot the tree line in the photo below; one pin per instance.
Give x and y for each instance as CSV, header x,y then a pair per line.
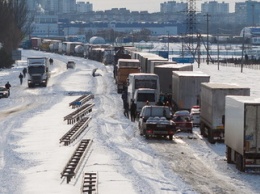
x,y
15,22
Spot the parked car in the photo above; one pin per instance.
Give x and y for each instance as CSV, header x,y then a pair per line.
x,y
195,115
183,121
4,93
71,65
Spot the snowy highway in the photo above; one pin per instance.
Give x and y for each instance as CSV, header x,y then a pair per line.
x,y
31,124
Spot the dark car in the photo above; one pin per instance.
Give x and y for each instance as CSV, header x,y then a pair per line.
x,y
71,65
4,93
183,120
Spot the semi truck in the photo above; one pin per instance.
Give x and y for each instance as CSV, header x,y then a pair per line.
x,y
212,108
142,80
124,68
156,121
186,86
242,132
165,74
38,69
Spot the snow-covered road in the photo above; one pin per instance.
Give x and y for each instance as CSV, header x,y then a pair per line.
x,y
31,124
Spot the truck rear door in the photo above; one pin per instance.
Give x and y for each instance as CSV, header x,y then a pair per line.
x,y
252,129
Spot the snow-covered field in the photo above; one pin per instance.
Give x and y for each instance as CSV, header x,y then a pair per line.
x,y
31,124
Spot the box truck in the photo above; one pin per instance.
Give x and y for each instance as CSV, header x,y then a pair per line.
x,y
186,88
137,81
124,68
242,132
165,75
212,108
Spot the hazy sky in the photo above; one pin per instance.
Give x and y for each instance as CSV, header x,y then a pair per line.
x,y
146,5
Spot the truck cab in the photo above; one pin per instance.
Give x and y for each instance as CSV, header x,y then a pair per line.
x,y
144,96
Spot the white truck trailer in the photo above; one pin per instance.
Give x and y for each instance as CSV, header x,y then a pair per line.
x,y
186,88
142,80
165,74
212,108
38,71
242,132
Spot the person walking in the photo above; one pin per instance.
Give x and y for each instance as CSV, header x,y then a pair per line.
x,y
24,72
126,109
21,78
133,111
8,86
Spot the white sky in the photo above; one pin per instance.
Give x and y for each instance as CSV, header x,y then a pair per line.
x,y
31,124
145,5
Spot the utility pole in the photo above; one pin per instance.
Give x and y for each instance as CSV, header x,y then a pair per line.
x,y
198,38
243,47
207,15
168,44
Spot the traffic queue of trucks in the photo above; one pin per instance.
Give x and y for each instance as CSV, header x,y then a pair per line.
x,y
234,120
227,112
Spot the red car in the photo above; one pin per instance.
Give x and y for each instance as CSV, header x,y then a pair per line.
x,y
183,120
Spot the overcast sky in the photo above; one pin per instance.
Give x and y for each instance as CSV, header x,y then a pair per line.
x,y
145,5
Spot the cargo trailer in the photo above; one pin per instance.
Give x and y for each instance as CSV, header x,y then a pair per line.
x,y
212,108
242,132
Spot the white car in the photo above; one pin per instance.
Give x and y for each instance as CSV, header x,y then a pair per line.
x,y
195,115
4,93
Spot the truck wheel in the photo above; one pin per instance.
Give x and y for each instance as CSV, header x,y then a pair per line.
x,y
210,137
202,130
146,136
239,162
170,137
228,154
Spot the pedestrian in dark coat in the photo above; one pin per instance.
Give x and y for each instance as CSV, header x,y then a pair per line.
x,y
8,86
21,78
133,111
24,72
126,109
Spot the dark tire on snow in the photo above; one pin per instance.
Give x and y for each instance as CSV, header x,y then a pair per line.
x,y
210,137
170,137
228,154
239,162
202,130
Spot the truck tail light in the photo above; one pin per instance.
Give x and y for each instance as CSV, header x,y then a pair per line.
x,y
149,131
171,132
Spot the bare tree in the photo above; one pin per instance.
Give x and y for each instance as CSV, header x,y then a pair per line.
x,y
14,25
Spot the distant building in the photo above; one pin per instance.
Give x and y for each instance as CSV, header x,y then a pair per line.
x,y
248,13
213,7
45,26
83,7
173,7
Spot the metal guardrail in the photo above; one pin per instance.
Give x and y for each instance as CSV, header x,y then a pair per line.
x,y
74,163
75,131
89,183
79,113
81,100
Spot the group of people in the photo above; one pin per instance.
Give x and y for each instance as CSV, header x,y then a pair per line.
x,y
127,108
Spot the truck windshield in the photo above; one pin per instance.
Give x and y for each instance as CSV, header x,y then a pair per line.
x,y
144,97
36,69
146,84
